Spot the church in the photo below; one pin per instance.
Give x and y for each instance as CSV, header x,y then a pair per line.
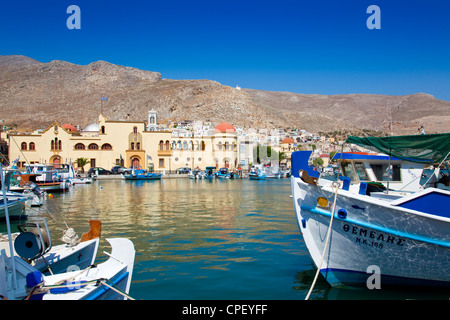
x,y
107,143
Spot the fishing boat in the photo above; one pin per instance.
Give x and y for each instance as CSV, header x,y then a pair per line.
x,y
34,244
256,174
48,178
81,180
196,174
272,172
20,280
109,280
16,209
141,174
352,234
223,173
209,173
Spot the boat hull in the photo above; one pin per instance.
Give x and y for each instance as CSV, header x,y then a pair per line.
x,y
402,246
150,177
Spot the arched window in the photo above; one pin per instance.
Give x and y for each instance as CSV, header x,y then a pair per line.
x,y
93,146
161,145
167,145
80,146
52,145
103,129
219,146
106,146
132,146
184,145
59,145
138,146
32,146
227,145
23,146
135,130
174,145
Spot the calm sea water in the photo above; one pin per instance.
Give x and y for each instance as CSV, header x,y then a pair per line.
x,y
195,240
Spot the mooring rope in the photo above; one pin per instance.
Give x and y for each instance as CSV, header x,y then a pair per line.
x,y
327,240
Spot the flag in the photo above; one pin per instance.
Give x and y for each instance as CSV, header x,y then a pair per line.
x,y
104,98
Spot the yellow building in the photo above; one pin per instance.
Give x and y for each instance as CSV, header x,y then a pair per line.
x,y
129,143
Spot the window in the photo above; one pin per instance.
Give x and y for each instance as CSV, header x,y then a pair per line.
x,y
92,162
161,145
56,144
138,146
347,169
23,146
93,146
167,145
106,146
361,171
103,129
132,146
32,146
134,130
161,162
80,146
381,172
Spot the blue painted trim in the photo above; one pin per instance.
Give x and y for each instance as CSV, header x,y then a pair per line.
x,y
380,229
105,289
352,277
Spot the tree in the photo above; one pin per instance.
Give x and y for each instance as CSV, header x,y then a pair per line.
x,y
318,162
264,154
81,162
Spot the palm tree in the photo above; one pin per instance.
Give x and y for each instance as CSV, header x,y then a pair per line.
x,y
81,162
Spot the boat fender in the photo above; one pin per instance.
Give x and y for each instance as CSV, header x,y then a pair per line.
x,y
34,279
342,213
304,223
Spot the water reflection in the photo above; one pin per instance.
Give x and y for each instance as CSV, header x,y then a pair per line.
x,y
216,239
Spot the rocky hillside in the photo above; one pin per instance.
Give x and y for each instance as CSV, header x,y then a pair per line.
x,y
34,94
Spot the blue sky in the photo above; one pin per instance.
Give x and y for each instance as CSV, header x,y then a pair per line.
x,y
303,46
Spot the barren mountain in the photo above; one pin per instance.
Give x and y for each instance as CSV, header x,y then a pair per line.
x,y
34,94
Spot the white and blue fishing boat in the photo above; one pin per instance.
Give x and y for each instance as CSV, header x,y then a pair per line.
x,y
256,174
141,174
224,173
49,178
351,233
209,173
28,254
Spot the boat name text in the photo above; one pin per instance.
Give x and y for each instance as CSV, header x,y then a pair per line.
x,y
372,238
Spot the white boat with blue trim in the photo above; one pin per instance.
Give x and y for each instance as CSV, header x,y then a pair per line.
x,y
348,230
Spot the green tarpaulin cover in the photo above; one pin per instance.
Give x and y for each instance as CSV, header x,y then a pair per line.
x,y
427,148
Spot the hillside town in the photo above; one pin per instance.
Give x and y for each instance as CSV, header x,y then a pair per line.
x,y
162,147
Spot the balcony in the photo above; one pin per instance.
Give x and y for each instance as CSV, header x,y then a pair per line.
x,y
162,153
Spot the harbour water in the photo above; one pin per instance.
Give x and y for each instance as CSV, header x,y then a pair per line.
x,y
207,240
